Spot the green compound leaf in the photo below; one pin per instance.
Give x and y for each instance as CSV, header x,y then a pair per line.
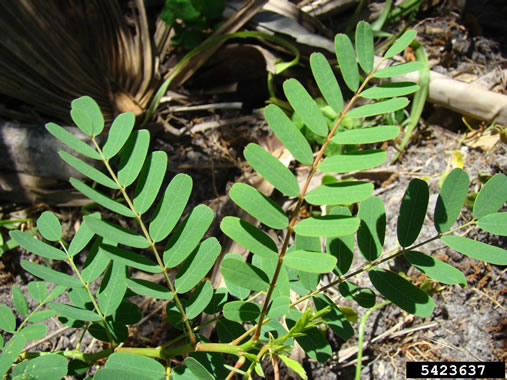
x,y
187,236
347,61
112,288
88,108
49,226
199,299
294,365
149,182
476,249
412,212
492,196
435,268
367,135
19,301
372,231
75,312
116,233
34,332
88,170
136,364
340,193
149,289
364,46
272,170
402,293
118,134
82,237
244,275
133,156
249,236
494,223
241,311
327,226
47,367
390,90
198,370
308,261
50,275
28,242
351,162
378,108
72,141
289,134
96,262
130,258
7,319
101,198
11,351
401,43
326,80
401,69
171,207
259,206
197,265
451,199
305,107
341,247
37,290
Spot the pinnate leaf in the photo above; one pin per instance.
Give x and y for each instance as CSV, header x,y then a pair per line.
x,y
492,196
477,249
350,162
116,233
308,261
412,212
28,242
88,170
72,141
451,199
133,156
50,275
340,193
326,80
118,134
379,108
401,69
494,223
435,268
244,274
367,135
347,61
149,182
401,43
364,46
327,226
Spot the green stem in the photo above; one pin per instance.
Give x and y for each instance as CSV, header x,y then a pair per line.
x,y
71,354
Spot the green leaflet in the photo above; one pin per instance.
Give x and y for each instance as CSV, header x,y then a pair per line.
x,y
133,156
82,121
309,280
82,237
351,162
335,318
149,289
108,374
401,69
378,108
130,258
244,275
372,230
19,301
305,107
435,268
136,364
37,290
198,370
390,90
233,289
347,61
116,233
112,288
401,43
89,112
96,262
326,80
187,236
340,193
171,207
494,223
101,198
272,170
278,307
88,170
7,319
199,299
412,212
11,351
28,242
75,312
47,367
402,293
49,226
241,311
197,265
308,261
50,275
450,200
294,365
249,236
341,247
492,196
217,301
40,316
327,226
367,135
289,134
149,182
72,141
33,332
364,297
259,206
476,249
364,46
118,134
